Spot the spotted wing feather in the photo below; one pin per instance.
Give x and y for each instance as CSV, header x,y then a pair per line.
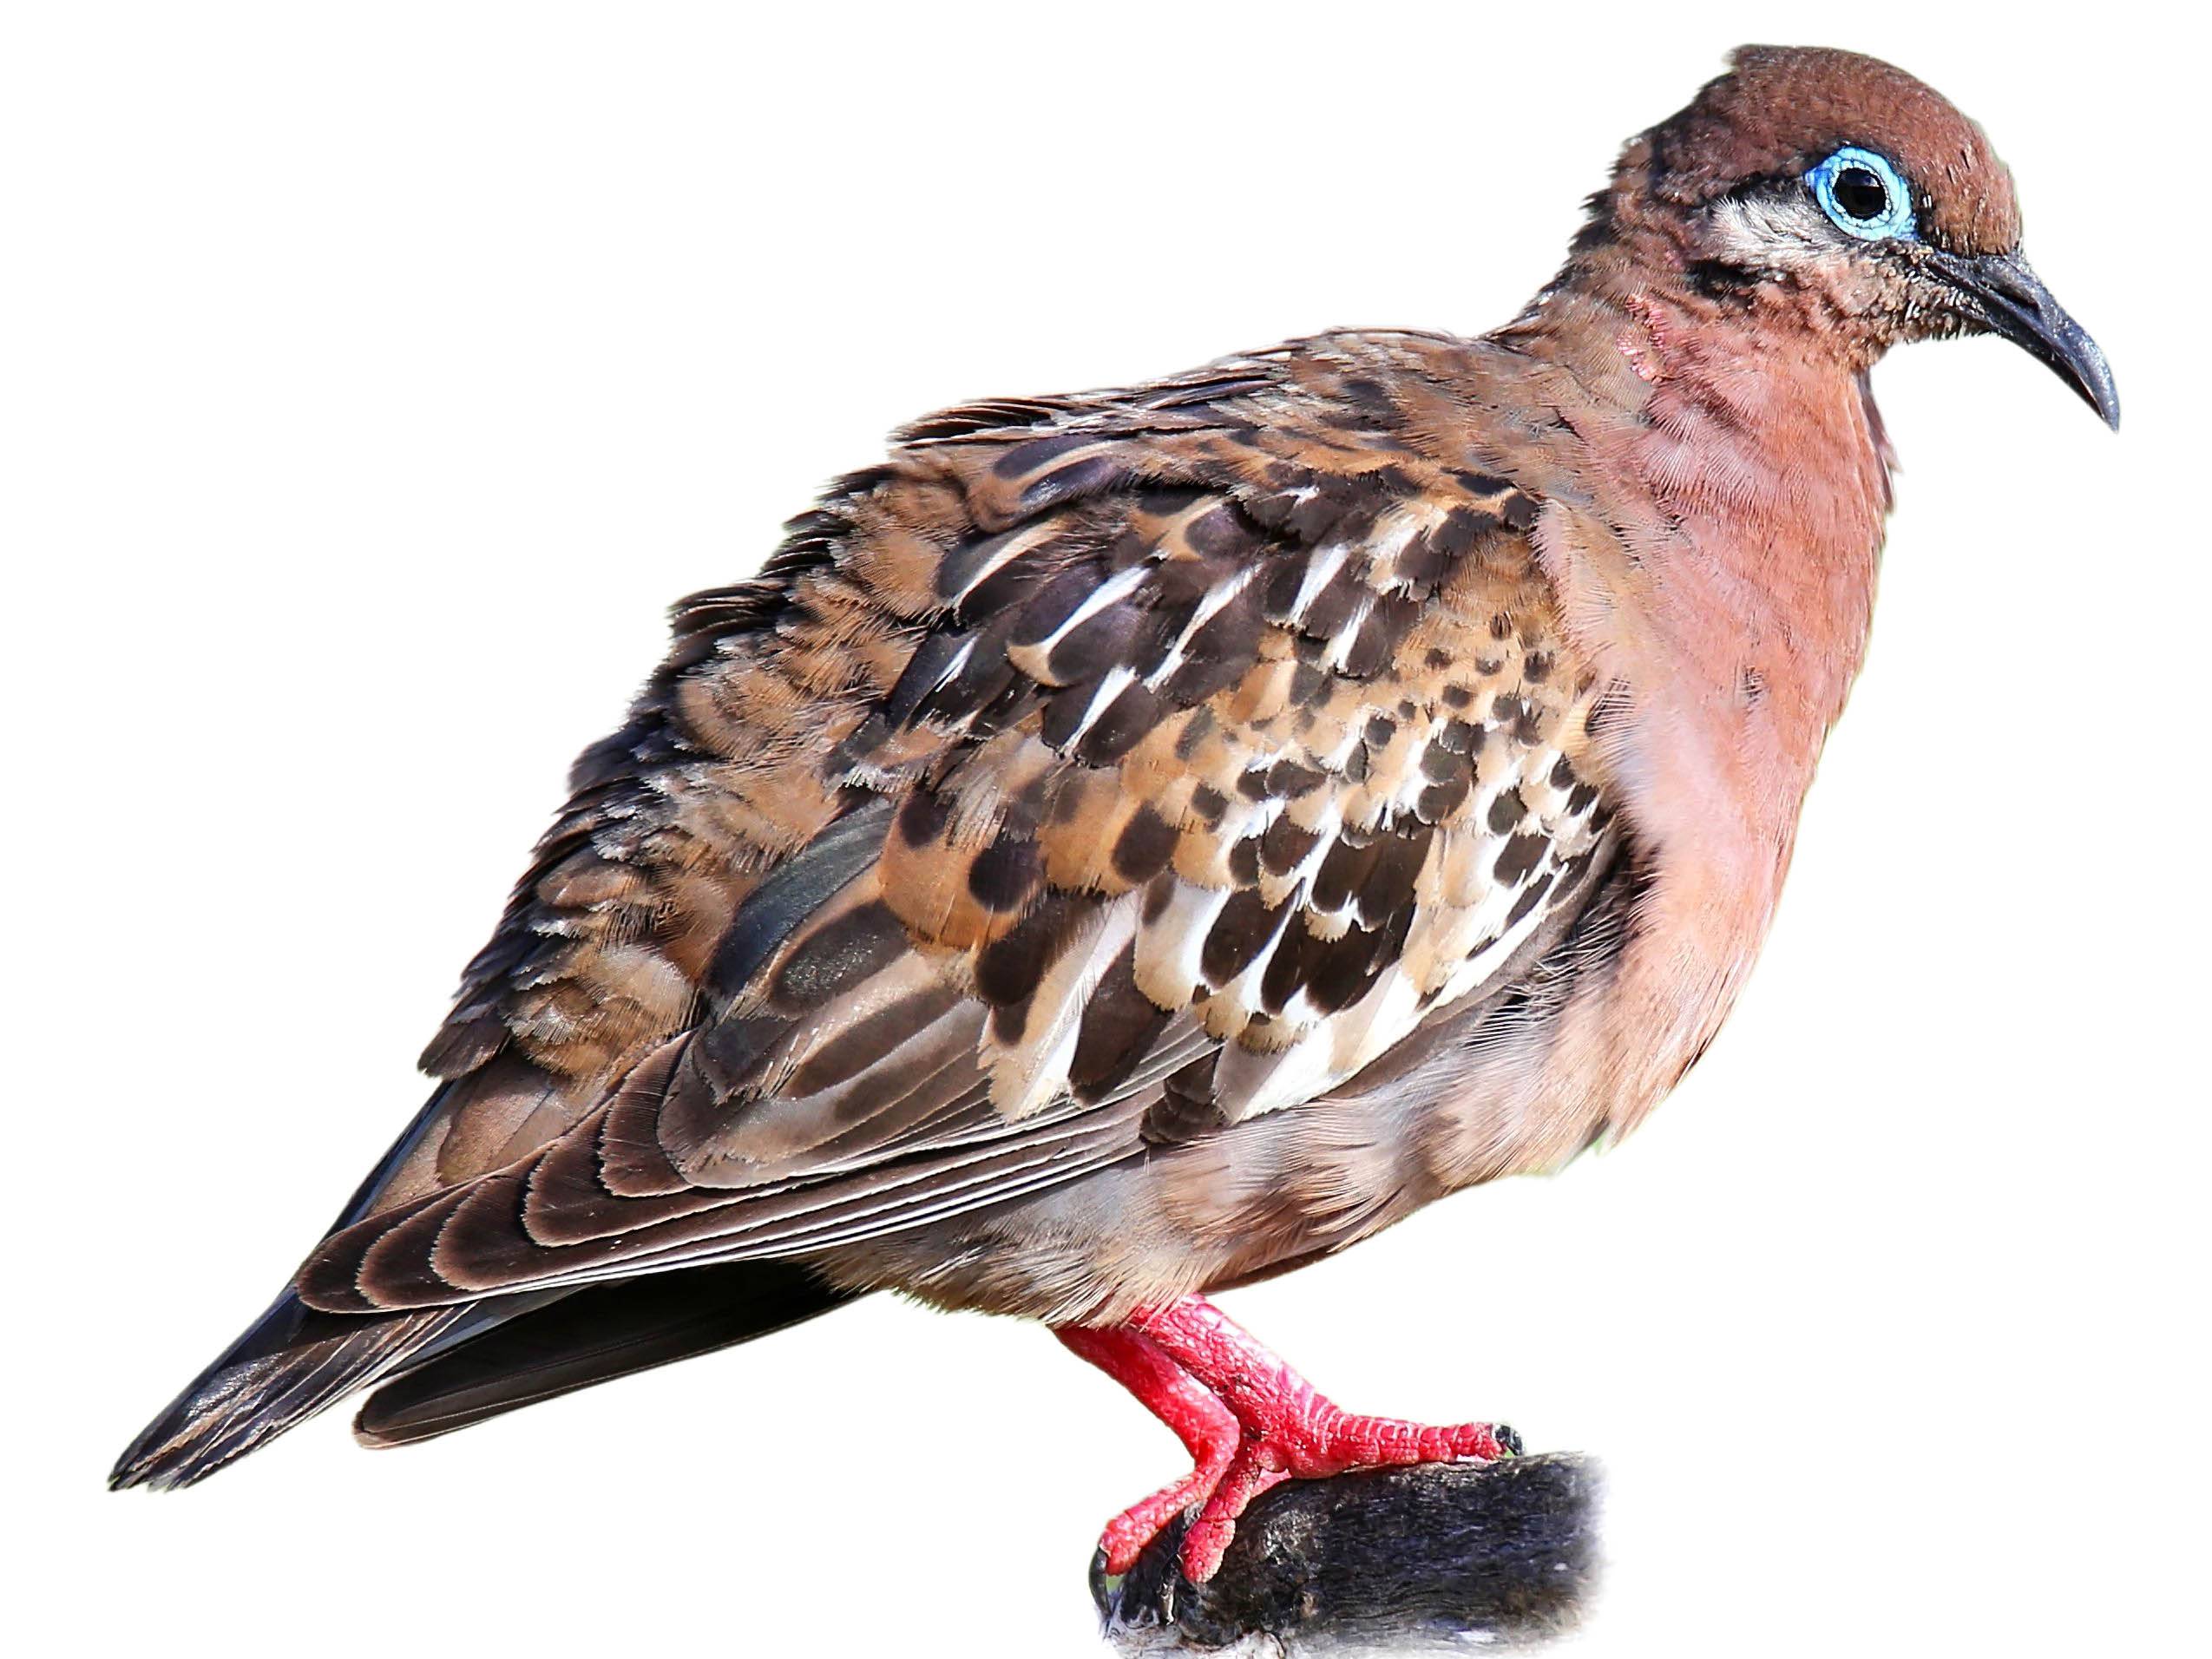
x,y
1104,780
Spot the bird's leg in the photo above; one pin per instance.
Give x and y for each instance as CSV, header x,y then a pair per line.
x,y
1178,1399
1283,1428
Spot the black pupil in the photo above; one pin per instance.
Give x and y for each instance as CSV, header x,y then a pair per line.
x,y
1860,194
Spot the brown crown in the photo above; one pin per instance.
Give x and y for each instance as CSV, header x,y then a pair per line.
x,y
1780,109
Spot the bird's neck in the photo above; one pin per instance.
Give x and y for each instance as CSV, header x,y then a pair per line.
x,y
1735,449
1719,483
1720,548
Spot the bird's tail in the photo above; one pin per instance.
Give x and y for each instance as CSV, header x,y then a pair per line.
x,y
294,1361
586,1337
444,1368
291,1364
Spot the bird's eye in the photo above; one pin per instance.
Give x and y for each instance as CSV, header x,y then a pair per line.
x,y
1863,194
1860,194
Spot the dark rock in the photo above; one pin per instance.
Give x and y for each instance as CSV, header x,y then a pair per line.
x,y
1396,1560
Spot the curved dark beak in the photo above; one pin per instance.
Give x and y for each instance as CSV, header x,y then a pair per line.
x,y
1999,291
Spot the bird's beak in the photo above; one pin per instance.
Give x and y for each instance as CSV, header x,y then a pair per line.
x,y
1999,291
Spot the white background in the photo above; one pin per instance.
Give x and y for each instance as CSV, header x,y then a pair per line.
x,y
374,376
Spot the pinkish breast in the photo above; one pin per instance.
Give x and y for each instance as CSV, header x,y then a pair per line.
x,y
1723,578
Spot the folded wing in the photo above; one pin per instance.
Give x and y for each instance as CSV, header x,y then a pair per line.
x,y
1093,776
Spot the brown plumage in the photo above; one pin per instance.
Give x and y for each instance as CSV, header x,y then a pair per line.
x,y
1127,844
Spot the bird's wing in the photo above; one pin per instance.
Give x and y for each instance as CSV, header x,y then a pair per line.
x,y
1116,774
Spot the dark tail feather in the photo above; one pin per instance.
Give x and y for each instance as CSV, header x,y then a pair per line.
x,y
294,1361
591,1335
456,1366
291,1364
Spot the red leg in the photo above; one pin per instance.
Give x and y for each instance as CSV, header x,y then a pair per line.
x,y
1284,1428
1200,1421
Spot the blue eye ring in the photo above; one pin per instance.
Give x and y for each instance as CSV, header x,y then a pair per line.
x,y
1839,193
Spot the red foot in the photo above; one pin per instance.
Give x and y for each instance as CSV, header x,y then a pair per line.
x,y
1178,1399
1250,1422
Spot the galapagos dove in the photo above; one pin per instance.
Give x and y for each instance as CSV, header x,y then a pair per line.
x,y
1123,846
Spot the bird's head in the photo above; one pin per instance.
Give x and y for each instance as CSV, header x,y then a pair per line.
x,y
1850,199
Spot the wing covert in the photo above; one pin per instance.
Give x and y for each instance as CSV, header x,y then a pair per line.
x,y
1053,793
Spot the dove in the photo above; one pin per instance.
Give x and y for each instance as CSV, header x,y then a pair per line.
x,y
1121,847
